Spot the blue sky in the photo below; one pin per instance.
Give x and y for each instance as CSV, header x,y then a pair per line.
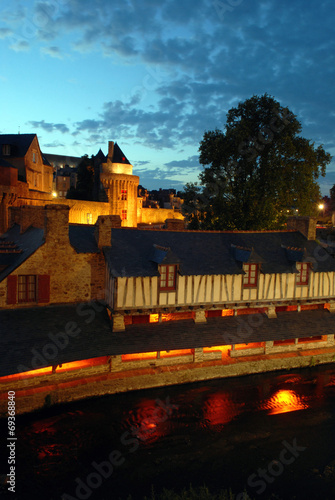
x,y
153,76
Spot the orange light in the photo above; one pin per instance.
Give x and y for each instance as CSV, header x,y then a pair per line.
x,y
171,354
85,363
227,312
153,318
252,345
223,348
28,374
219,409
284,401
139,356
48,370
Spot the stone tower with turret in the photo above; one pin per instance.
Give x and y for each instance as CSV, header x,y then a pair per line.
x,y
119,185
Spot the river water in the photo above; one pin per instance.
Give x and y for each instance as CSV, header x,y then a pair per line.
x,y
272,435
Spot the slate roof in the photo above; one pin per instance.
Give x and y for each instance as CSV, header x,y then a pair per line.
x,y
82,238
119,156
20,143
210,253
63,159
6,164
15,248
25,332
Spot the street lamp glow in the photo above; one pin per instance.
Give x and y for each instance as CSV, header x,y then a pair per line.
x,y
321,206
54,194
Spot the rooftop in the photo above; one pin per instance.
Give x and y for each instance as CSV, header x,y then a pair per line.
x,y
133,252
28,335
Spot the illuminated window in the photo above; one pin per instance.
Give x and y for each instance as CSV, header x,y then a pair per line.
x,y
251,275
123,194
27,288
167,278
303,273
124,215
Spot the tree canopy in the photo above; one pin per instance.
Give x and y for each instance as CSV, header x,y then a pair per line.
x,y
255,170
85,180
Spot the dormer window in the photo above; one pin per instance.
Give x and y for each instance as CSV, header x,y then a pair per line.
x,y
167,281
6,150
250,277
303,273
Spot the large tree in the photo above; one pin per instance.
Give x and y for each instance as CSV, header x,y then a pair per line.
x,y
85,180
255,170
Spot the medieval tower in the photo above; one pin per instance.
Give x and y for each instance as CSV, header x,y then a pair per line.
x,y
119,185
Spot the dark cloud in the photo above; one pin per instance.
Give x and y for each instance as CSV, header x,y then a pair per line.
x,y
54,144
20,46
202,57
191,163
5,32
142,163
52,51
50,127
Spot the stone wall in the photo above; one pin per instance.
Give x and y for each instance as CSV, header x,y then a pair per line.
x,y
157,215
306,225
74,277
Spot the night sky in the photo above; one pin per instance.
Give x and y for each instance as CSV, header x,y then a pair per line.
x,y
153,75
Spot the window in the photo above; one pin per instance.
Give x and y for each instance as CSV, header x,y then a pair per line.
x,y
167,278
89,218
34,157
6,149
303,273
123,194
251,275
26,286
124,215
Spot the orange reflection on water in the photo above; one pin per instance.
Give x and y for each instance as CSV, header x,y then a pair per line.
x,y
284,401
219,409
148,421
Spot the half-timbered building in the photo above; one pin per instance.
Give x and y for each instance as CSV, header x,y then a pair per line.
x,y
202,274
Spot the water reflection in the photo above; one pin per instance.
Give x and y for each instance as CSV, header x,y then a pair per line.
x,y
219,409
284,401
148,421
60,445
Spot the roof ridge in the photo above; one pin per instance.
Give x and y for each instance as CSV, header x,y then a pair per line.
x,y
237,231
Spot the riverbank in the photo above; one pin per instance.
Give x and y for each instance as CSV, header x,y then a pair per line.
x,y
55,388
217,433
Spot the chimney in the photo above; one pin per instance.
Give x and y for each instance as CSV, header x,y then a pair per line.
x,y
26,216
57,224
174,224
306,225
103,229
110,149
